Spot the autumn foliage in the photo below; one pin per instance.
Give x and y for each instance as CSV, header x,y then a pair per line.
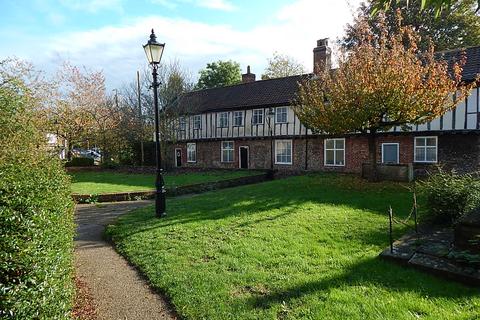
x,y
383,81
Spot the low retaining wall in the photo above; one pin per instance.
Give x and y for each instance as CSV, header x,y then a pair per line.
x,y
390,172
171,191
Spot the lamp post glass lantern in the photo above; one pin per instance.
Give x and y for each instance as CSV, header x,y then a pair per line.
x,y
154,52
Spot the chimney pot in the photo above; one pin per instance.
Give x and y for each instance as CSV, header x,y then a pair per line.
x,y
248,77
322,56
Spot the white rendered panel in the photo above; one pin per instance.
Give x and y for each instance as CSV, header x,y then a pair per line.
x,y
460,116
447,120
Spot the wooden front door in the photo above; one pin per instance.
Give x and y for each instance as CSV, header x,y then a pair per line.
x,y
243,158
178,157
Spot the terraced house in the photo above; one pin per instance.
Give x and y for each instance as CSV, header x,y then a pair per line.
x,y
252,125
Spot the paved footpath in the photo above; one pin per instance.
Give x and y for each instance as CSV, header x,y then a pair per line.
x,y
119,292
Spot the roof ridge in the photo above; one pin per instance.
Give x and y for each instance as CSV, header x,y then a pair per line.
x,y
457,49
250,83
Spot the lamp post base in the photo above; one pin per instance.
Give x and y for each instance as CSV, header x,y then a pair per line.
x,y
160,205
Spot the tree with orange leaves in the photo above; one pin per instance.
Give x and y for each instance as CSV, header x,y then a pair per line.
x,y
383,81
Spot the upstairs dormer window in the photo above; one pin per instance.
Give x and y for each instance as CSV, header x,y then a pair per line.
x,y
197,122
223,120
257,117
238,118
281,114
182,124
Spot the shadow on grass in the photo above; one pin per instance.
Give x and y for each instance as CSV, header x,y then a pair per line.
x,y
281,197
369,273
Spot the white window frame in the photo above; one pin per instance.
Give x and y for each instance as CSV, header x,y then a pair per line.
x,y
286,114
197,121
182,124
194,151
291,152
232,149
425,147
398,151
253,116
334,153
220,124
236,116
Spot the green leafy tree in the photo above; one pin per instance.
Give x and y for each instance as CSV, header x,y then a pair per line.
x,y
219,74
281,65
437,5
380,83
456,26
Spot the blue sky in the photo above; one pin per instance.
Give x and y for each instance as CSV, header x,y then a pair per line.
x,y
108,34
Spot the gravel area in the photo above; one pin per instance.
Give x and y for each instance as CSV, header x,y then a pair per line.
x,y
118,291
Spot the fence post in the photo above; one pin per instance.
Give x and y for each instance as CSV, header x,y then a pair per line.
x,y
390,216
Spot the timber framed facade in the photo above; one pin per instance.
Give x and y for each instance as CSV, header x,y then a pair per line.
x,y
252,125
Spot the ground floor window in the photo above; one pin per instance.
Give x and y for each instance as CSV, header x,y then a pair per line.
x,y
227,151
334,152
426,149
283,151
191,152
390,153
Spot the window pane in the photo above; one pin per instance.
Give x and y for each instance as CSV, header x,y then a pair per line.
x,y
197,122
283,151
288,158
329,157
420,142
281,115
257,116
431,154
329,144
238,118
432,142
339,144
419,154
339,157
390,153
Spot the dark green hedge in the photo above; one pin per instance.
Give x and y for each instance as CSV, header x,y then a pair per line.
x,y
80,162
36,215
36,232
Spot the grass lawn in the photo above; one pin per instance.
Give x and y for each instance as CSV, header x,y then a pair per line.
x,y
299,248
107,182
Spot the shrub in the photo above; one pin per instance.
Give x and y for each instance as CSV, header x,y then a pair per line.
x,y
36,216
448,196
80,162
109,164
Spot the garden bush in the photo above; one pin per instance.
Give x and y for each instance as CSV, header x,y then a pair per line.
x,y
448,196
80,162
36,215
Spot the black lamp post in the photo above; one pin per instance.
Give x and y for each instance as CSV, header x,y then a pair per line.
x,y
154,51
270,116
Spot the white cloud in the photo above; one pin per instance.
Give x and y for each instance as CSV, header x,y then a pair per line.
x,y
93,6
216,4
118,49
56,19
222,5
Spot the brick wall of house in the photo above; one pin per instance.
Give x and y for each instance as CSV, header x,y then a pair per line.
x,y
455,151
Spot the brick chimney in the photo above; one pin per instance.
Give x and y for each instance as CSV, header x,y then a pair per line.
x,y
248,77
322,55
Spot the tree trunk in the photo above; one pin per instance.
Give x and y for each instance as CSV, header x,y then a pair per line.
x,y
142,152
372,154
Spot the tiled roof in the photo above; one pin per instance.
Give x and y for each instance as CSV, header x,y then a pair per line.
x,y
472,66
281,91
263,93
